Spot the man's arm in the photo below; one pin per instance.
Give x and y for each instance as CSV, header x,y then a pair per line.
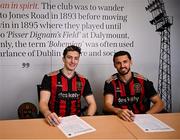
x,y
50,117
157,106
108,101
91,105
125,114
43,103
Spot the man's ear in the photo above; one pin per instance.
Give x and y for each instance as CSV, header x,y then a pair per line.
x,y
63,59
114,65
131,63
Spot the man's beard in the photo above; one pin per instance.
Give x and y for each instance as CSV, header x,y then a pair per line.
x,y
123,72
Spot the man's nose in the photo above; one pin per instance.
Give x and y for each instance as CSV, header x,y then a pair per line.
x,y
122,64
73,60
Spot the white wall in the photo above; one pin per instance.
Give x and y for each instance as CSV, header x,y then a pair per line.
x,y
20,75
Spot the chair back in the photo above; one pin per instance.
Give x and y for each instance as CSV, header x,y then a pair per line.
x,y
27,110
40,115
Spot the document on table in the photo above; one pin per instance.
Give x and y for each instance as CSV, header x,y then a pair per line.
x,y
73,126
149,123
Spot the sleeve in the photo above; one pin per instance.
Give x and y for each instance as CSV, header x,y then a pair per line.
x,y
108,88
46,83
149,88
87,89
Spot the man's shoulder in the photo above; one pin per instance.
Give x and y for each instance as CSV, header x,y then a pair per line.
x,y
53,73
112,78
80,75
139,76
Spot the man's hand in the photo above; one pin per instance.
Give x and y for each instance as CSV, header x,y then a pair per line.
x,y
53,119
126,114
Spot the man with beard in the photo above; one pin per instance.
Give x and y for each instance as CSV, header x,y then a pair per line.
x,y
127,93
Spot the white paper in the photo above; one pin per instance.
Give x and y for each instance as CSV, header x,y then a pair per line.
x,y
73,126
149,123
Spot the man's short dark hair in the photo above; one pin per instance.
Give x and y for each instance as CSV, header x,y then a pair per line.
x,y
71,48
121,53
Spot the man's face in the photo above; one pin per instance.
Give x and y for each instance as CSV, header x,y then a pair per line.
x,y
122,64
71,60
